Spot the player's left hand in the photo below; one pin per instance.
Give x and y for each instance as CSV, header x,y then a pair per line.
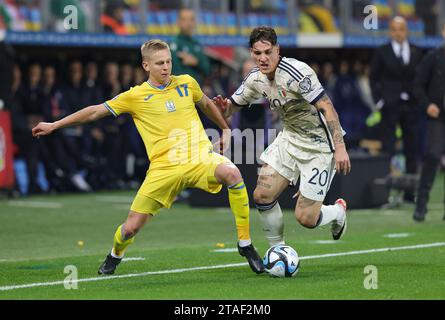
x,y
342,162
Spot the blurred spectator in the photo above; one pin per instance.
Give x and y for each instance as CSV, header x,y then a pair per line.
x,y
139,75
392,75
92,82
362,72
113,142
316,67
76,96
187,53
112,18
328,78
126,76
349,105
429,90
61,169
32,100
25,145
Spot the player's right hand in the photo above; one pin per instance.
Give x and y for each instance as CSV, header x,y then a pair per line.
x,y
43,129
222,103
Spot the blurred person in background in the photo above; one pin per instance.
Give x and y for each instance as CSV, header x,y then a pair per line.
x,y
32,100
21,133
91,80
113,143
139,76
126,75
350,107
133,148
392,76
328,78
76,93
362,71
113,16
187,53
429,87
93,144
61,168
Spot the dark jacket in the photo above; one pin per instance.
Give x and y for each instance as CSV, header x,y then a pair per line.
x,y
430,80
390,77
192,46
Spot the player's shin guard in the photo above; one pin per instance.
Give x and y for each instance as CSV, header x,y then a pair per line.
x,y
120,243
272,218
239,203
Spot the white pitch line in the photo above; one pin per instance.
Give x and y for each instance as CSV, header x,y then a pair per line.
x,y
134,259
350,253
35,204
397,235
326,241
225,250
221,266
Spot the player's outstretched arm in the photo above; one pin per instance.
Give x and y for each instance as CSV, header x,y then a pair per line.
x,y
342,162
88,114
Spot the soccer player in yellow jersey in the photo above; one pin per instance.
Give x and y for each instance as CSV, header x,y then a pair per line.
x,y
180,153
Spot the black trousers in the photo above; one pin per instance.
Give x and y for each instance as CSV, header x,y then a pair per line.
x,y
435,147
407,115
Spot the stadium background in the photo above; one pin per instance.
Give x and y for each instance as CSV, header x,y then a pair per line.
x,y
329,35
66,211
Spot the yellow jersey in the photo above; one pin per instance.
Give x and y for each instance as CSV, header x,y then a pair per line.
x,y
166,118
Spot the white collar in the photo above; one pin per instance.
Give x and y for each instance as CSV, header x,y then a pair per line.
x,y
396,44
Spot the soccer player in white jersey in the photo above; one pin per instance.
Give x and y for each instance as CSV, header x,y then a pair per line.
x,y
310,147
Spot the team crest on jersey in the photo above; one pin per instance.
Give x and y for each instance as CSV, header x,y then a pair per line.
x,y
170,105
306,85
282,92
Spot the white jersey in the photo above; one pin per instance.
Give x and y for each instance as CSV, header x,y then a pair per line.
x,y
292,93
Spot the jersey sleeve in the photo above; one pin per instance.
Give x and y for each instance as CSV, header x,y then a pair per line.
x,y
120,104
195,89
247,92
307,83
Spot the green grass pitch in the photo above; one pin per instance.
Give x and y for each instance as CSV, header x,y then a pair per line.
x,y
40,236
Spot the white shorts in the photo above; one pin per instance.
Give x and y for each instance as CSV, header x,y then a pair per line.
x,y
315,169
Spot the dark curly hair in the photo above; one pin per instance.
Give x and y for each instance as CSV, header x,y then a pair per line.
x,y
263,33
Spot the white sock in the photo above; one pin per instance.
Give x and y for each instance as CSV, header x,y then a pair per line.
x,y
273,224
244,243
329,214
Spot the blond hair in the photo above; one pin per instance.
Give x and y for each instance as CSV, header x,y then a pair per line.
x,y
153,45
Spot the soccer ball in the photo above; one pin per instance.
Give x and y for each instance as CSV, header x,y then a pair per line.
x,y
281,261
